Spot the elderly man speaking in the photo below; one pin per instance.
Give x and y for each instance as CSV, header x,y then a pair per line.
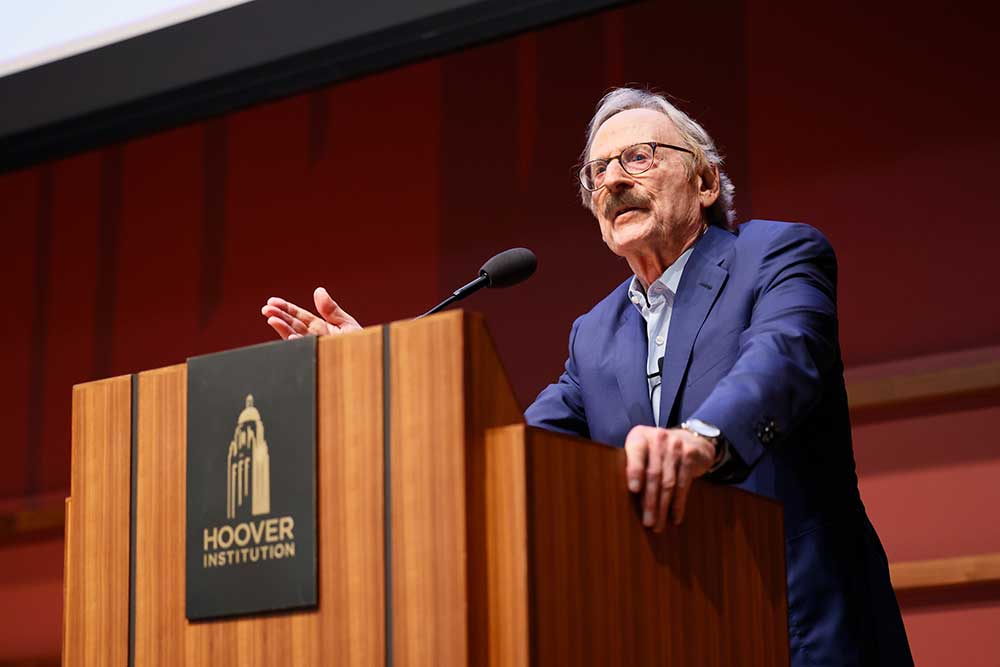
x,y
719,358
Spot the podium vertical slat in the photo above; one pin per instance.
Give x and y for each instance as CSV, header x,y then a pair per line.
x,y
505,533
348,627
97,571
428,493
160,505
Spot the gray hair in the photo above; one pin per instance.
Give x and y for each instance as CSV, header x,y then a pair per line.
x,y
693,135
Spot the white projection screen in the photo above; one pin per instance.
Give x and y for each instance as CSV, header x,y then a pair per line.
x,y
77,74
33,34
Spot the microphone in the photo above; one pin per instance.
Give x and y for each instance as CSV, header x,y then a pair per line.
x,y
503,270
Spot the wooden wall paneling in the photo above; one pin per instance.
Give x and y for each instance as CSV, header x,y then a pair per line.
x,y
96,612
946,573
33,519
683,603
925,387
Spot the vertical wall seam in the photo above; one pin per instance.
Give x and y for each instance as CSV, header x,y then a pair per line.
x,y
527,107
108,231
215,172
319,125
38,331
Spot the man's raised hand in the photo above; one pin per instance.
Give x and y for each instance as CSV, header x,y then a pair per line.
x,y
660,464
290,321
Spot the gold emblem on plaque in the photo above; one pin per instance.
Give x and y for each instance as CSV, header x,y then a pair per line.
x,y
248,466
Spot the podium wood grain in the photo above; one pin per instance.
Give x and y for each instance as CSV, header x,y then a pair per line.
x,y
448,388
346,629
576,580
97,529
510,546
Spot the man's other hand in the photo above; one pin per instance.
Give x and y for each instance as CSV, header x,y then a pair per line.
x,y
291,322
661,463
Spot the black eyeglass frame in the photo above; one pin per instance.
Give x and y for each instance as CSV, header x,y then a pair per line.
x,y
607,161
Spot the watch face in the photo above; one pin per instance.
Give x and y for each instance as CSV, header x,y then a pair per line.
x,y
701,428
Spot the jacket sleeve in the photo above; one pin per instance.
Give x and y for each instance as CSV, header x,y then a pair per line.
x,y
788,349
559,407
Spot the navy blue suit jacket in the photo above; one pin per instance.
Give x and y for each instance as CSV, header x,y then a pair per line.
x,y
753,349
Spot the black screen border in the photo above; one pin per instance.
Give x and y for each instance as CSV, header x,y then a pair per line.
x,y
66,90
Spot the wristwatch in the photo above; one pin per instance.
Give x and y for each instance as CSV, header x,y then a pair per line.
x,y
713,435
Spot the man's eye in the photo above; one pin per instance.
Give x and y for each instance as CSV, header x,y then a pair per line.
x,y
639,157
599,168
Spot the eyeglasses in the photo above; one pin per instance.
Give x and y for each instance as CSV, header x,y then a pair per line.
x,y
634,160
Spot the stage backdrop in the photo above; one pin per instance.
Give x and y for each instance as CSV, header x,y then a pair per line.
x,y
874,124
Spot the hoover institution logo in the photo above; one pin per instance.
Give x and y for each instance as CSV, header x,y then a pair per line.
x,y
248,464
250,539
248,495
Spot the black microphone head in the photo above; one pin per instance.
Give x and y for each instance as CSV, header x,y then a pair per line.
x,y
509,267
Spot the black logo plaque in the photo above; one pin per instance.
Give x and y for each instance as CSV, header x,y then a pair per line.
x,y
251,480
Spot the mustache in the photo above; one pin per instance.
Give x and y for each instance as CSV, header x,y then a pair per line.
x,y
627,199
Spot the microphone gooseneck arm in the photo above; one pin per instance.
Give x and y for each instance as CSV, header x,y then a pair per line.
x,y
505,269
479,283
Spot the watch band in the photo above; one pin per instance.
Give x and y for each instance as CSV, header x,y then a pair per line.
x,y
700,428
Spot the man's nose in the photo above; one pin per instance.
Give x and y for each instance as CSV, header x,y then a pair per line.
x,y
615,176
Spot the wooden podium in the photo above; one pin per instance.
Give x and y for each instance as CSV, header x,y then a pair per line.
x,y
483,542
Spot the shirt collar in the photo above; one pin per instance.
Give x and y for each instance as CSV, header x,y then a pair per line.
x,y
670,280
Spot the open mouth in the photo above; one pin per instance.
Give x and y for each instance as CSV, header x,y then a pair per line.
x,y
626,210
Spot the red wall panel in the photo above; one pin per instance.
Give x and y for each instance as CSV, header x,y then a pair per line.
x,y
19,198
873,123
157,289
929,502
954,634
31,613
69,331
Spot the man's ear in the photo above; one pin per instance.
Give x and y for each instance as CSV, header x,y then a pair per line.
x,y
708,186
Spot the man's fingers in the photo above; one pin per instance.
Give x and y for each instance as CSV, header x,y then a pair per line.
x,y
280,327
684,478
651,496
654,479
301,322
667,489
290,308
636,450
662,464
296,325
330,311
692,465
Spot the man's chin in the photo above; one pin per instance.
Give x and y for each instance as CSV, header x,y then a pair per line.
x,y
628,238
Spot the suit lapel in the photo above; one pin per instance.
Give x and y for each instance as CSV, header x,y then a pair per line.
x,y
701,283
630,366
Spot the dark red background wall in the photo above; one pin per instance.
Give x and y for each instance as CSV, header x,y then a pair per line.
x,y
874,123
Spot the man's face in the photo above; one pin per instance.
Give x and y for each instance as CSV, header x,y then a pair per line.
x,y
640,212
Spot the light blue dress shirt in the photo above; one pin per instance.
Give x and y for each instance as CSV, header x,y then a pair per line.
x,y
656,304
